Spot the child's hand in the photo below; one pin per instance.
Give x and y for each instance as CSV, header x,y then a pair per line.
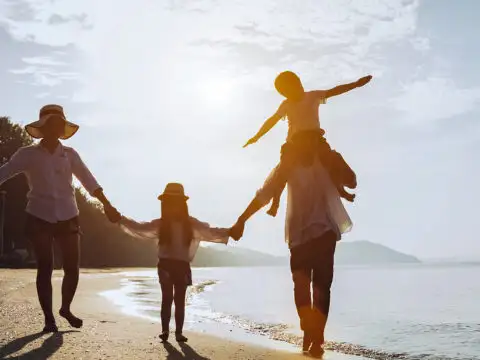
x,y
364,80
236,231
253,140
112,214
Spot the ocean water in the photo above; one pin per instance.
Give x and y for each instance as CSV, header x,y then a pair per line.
x,y
390,312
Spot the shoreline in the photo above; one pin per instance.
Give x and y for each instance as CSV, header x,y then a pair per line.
x,y
108,333
133,299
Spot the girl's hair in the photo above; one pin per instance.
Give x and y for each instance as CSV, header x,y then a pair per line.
x,y
289,85
165,229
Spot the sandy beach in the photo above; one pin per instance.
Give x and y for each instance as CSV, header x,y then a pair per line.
x,y
107,333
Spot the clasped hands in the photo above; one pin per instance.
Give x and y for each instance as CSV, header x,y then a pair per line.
x,y
114,216
236,231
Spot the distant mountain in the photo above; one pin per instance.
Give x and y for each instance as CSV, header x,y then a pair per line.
x,y
368,253
348,253
218,255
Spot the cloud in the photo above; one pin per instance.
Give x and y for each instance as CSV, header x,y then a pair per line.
x,y
435,98
17,10
421,44
46,23
39,46
344,36
41,76
57,19
45,71
147,82
43,95
43,60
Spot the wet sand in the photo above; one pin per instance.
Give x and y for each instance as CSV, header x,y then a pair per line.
x,y
107,333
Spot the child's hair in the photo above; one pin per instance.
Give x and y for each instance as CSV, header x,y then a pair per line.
x,y
289,85
165,230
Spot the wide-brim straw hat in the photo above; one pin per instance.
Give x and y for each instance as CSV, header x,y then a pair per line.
x,y
173,190
34,129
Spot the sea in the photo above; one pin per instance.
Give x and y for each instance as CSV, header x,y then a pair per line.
x,y
411,311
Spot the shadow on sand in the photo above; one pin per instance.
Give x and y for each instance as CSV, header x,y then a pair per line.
x,y
49,346
187,352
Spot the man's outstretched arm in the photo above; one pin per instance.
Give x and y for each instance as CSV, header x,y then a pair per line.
x,y
236,232
252,208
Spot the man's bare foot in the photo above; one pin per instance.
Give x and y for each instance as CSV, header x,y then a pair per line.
x,y
307,342
316,351
72,319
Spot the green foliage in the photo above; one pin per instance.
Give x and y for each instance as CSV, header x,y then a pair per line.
x,y
12,137
103,244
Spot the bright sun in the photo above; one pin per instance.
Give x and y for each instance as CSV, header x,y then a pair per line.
x,y
217,92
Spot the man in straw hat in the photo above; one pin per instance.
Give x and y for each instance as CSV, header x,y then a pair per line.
x,y
52,212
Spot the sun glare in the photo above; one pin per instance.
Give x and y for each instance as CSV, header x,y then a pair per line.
x,y
217,92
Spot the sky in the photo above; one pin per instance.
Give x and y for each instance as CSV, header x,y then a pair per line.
x,y
169,91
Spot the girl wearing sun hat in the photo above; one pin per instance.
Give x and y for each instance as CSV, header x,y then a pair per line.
x,y
52,212
179,236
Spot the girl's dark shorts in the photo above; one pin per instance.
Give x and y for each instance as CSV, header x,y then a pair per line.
x,y
177,272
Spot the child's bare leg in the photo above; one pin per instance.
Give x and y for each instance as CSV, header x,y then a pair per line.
x,y
166,307
286,162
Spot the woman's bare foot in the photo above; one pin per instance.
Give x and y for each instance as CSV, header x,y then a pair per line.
x,y
164,336
50,326
72,319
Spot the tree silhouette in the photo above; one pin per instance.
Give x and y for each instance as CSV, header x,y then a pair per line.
x,y
103,244
12,137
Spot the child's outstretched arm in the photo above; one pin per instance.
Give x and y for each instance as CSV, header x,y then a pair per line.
x,y
141,230
341,89
268,124
202,231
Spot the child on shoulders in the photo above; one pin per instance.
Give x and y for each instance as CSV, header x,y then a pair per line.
x,y
305,136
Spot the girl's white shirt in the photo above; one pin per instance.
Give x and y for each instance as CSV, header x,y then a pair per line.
x,y
177,249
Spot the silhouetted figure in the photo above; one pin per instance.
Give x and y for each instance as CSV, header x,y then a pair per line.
x,y
315,221
305,136
52,213
179,236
